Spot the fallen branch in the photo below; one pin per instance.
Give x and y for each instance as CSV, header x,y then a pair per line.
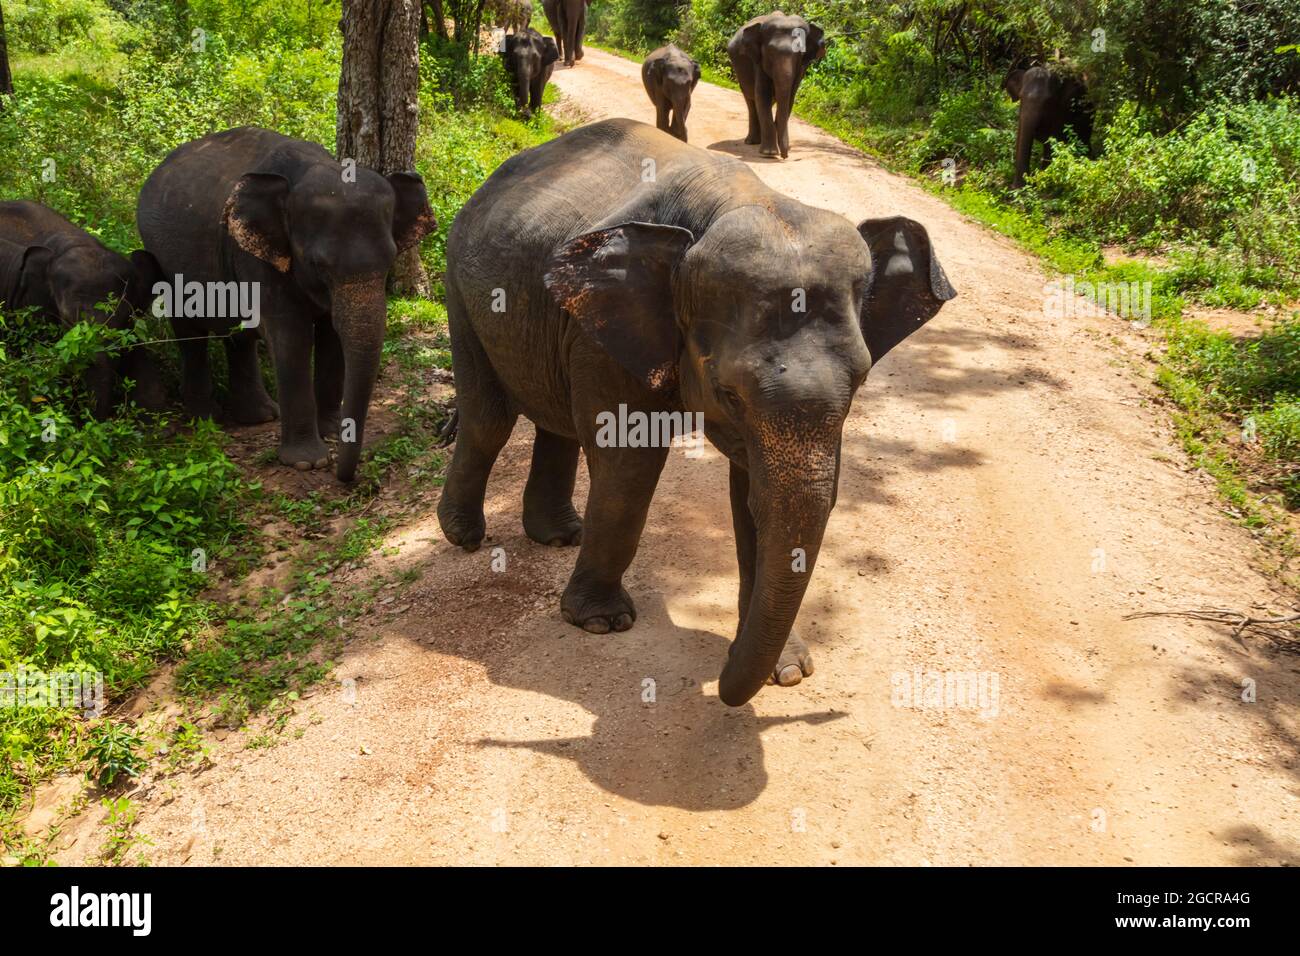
x,y
1239,620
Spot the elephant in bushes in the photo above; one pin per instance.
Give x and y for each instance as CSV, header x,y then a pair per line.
x,y
577,291
1049,102
529,59
59,268
670,77
311,241
770,56
568,20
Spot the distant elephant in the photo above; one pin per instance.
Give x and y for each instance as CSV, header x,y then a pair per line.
x,y
512,14
670,76
1049,102
579,292
52,264
769,56
315,240
529,59
568,20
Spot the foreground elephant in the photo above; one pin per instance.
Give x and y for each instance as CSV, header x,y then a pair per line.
x,y
529,59
51,264
315,241
1049,102
670,76
568,20
769,56
578,290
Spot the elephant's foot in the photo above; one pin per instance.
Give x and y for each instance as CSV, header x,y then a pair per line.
x,y
328,425
306,454
201,407
769,152
557,526
794,664
578,54
463,527
753,139
597,608
252,409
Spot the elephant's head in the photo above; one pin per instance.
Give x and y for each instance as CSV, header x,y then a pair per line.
x,y
82,282
336,236
768,331
784,46
527,56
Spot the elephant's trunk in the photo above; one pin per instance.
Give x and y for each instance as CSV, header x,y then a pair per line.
x,y
359,311
790,506
680,99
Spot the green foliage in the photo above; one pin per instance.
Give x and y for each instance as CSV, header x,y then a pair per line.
x,y
115,754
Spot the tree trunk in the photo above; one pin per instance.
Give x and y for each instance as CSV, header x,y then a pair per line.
x,y
6,78
379,100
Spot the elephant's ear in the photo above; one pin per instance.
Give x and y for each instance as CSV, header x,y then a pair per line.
x,y
1012,84
617,284
908,286
254,217
751,40
146,274
550,52
695,73
814,44
508,41
413,219
24,277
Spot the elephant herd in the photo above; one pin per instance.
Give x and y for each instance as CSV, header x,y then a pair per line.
x,y
577,288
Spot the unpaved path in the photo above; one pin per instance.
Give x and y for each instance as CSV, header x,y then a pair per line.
x,y
1009,492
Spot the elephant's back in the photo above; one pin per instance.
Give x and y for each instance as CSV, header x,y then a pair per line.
x,y
182,203
26,222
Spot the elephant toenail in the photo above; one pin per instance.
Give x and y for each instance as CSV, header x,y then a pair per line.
x,y
596,625
790,675
302,465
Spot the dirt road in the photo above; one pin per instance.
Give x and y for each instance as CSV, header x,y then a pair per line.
x,y
1010,491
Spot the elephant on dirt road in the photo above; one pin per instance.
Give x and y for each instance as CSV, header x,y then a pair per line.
x,y
770,55
310,241
1049,102
529,59
670,77
579,292
568,20
56,266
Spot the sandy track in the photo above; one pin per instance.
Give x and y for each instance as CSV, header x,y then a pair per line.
x,y
1009,492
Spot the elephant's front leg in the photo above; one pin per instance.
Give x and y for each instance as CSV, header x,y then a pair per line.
x,y
292,334
661,114
795,662
327,375
623,481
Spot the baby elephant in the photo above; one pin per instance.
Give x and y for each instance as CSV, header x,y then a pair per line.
x,y
59,268
529,60
670,76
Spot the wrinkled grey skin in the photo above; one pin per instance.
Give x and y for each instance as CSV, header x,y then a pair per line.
x,y
568,20
769,56
48,263
529,59
671,295
250,205
670,76
1048,104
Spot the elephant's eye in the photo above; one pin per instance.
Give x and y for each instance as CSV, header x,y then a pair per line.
x,y
731,399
